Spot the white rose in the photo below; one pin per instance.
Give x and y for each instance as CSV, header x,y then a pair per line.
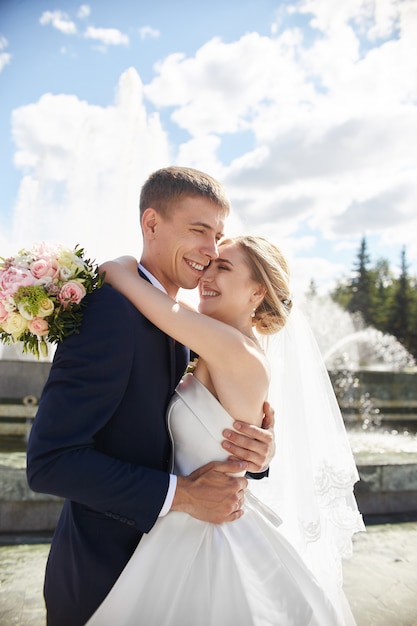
x,y
15,325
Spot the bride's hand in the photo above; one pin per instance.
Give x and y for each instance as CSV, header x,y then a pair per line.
x,y
254,445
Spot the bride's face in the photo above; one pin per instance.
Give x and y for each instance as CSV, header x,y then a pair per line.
x,y
227,291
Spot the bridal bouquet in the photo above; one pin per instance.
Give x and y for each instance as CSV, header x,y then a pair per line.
x,y
41,295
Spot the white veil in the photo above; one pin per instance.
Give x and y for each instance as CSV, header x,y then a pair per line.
x,y
313,473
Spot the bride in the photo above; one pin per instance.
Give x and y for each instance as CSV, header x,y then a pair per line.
x,y
247,572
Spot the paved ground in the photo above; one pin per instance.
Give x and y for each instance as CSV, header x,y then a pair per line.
x,y
380,579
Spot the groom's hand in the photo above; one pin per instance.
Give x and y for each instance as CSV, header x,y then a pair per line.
x,y
254,445
211,494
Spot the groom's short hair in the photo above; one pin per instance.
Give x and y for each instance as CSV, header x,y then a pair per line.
x,y
166,186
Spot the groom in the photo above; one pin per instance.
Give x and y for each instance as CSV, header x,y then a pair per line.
x,y
100,440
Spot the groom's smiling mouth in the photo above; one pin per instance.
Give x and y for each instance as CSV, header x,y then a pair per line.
x,y
196,266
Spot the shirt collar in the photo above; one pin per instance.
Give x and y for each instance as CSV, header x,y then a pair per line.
x,y
155,282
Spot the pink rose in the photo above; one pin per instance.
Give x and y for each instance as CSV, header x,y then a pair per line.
x,y
42,267
15,277
72,292
38,326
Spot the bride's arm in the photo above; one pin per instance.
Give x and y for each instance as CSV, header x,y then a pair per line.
x,y
250,443
206,336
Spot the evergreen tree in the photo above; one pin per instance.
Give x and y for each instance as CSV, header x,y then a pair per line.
x,y
412,329
361,286
312,289
388,304
382,294
342,293
399,318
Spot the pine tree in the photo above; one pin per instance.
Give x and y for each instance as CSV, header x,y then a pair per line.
x,y
382,294
388,304
361,286
312,289
399,319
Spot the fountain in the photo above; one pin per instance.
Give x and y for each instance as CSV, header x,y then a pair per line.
x,y
374,380
371,372
346,343
374,349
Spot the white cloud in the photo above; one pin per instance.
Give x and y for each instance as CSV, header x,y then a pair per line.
x,y
331,114
332,118
84,11
83,167
200,152
386,15
59,20
107,36
5,57
210,91
147,32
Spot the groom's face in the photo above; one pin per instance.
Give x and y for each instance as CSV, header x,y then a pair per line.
x,y
181,246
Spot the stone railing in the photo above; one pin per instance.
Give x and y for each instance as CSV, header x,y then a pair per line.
x,y
16,417
389,397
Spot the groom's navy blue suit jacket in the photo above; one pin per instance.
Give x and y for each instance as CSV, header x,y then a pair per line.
x,y
100,441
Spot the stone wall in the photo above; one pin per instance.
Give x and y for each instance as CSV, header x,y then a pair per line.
x,y
392,396
19,379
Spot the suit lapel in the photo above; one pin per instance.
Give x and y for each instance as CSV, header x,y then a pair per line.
x,y
178,354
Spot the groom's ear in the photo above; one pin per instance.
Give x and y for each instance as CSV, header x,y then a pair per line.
x,y
149,223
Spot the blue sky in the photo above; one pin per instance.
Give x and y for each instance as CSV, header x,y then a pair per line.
x,y
306,111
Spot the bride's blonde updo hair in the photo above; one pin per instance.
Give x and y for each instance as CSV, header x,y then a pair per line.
x,y
269,268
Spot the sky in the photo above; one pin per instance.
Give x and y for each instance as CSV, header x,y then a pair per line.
x,y
305,110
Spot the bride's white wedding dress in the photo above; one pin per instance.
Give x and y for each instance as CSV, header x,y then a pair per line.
x,y
186,572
